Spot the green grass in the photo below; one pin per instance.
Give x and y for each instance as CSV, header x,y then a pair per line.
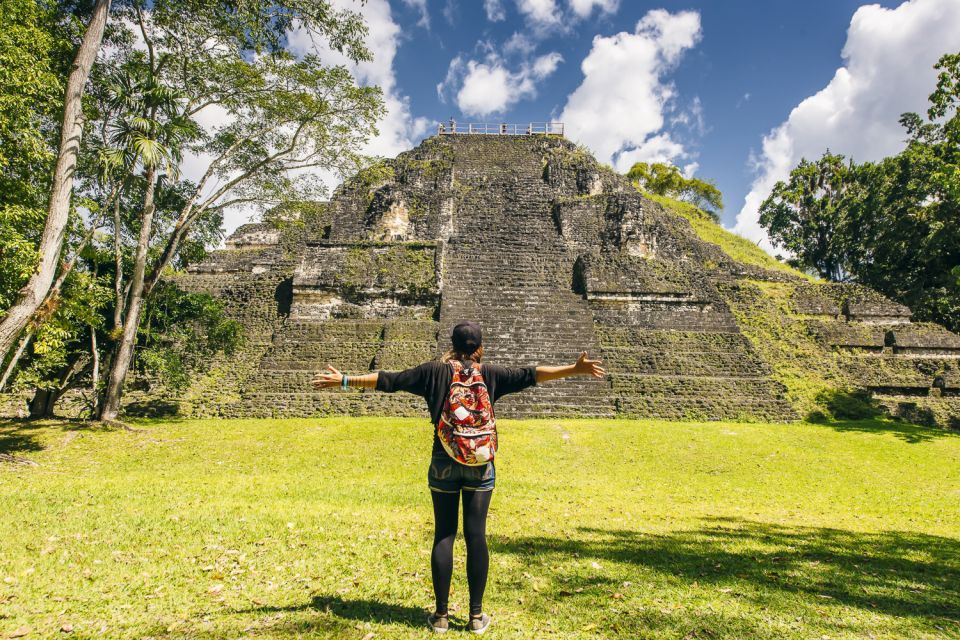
x,y
599,529
737,247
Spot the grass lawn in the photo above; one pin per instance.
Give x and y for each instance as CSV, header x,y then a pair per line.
x,y
599,529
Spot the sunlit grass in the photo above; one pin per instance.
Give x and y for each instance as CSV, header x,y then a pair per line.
x,y
735,246
599,528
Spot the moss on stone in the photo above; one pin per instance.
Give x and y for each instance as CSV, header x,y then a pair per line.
x,y
296,221
403,269
737,247
784,342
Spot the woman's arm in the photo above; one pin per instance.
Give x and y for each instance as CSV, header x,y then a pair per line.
x,y
333,378
581,367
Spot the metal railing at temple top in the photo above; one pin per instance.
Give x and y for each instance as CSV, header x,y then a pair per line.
x,y
500,129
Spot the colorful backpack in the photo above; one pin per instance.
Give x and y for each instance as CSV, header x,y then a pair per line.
x,y
467,429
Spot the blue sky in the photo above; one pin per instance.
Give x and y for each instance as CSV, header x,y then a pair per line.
x,y
732,91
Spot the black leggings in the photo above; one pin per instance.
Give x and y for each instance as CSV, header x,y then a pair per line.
x,y
445,513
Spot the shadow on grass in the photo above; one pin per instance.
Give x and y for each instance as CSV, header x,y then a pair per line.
x,y
358,610
858,410
19,435
903,574
23,436
909,433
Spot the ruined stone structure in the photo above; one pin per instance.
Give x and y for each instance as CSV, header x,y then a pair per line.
x,y
553,254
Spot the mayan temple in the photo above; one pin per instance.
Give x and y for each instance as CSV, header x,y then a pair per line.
x,y
552,253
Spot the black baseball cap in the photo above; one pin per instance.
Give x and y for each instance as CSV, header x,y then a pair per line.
x,y
466,337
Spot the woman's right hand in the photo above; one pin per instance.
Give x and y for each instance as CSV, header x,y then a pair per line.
x,y
326,379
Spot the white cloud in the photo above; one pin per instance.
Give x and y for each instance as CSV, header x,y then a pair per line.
x,y
421,7
546,65
619,109
541,14
888,59
450,11
690,169
486,87
658,148
398,128
691,117
495,10
548,16
519,43
584,8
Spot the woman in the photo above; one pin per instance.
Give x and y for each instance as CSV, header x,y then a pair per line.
x,y
447,478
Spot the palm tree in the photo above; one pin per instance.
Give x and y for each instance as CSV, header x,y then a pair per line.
x,y
149,134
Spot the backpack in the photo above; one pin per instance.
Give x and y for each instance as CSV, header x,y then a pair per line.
x,y
467,429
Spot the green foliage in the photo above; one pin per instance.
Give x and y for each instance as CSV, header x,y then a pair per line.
x,y
34,49
666,180
373,176
808,215
181,332
890,225
20,229
62,332
168,63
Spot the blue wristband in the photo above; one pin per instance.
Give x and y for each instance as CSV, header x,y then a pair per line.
x,y
343,382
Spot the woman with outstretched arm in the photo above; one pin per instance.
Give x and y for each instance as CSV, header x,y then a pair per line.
x,y
460,392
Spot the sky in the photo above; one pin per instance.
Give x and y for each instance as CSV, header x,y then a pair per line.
x,y
727,90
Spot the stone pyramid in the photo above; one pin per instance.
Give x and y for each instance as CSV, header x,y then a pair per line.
x,y
552,253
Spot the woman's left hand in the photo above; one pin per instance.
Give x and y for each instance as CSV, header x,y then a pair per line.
x,y
329,378
589,367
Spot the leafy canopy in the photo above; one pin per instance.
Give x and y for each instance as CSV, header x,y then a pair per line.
x,y
666,180
891,225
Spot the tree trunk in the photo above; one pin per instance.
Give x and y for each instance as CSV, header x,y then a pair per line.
x,y
41,406
118,261
95,374
58,208
12,365
45,400
124,353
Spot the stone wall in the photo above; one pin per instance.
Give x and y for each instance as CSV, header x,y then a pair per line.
x,y
552,253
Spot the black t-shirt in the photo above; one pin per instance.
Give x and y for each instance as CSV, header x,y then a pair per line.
x,y
431,380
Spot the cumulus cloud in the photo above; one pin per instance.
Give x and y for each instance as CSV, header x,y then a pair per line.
x,y
549,16
495,10
888,59
619,109
481,88
584,8
398,129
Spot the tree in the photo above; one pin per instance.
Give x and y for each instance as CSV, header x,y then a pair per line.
x,y
703,194
891,225
281,115
32,294
808,215
666,180
34,53
659,178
